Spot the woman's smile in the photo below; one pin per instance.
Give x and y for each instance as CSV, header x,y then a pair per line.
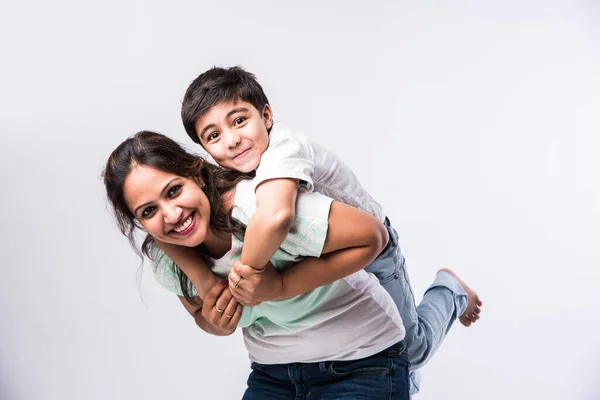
x,y
186,227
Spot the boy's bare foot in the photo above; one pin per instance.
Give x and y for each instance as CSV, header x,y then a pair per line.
x,y
474,303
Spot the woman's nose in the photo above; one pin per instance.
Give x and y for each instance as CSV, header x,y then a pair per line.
x,y
172,214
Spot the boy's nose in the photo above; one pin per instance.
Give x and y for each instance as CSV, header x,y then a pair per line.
x,y
233,140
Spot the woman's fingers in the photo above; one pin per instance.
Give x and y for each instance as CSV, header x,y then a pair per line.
x,y
231,308
210,308
213,294
237,315
223,301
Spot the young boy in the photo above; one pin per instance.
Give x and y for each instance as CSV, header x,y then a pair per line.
x,y
227,112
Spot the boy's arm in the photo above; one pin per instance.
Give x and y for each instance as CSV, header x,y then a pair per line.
x,y
270,224
354,239
192,265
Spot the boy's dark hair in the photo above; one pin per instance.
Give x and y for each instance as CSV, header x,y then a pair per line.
x,y
216,86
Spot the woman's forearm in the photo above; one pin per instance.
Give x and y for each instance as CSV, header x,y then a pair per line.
x,y
192,265
354,239
312,273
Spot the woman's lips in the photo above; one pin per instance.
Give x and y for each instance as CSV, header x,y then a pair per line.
x,y
191,226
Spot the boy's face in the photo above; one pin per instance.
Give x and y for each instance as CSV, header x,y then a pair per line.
x,y
235,134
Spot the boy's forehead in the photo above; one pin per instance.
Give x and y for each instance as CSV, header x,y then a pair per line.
x,y
221,111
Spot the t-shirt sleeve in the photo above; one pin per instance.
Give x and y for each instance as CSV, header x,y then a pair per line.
x,y
289,155
309,229
165,273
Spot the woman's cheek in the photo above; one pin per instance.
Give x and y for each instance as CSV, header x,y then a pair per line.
x,y
153,229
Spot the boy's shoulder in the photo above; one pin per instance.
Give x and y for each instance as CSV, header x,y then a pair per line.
x,y
282,134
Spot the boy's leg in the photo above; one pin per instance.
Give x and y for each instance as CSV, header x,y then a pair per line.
x,y
426,325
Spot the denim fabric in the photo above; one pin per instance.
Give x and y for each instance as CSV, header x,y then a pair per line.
x,y
380,376
428,323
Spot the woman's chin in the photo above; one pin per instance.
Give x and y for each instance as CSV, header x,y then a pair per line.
x,y
191,241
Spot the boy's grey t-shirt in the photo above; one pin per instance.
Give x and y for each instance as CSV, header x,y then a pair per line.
x,y
293,155
286,331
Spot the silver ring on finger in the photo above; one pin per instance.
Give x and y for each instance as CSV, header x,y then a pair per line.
x,y
218,309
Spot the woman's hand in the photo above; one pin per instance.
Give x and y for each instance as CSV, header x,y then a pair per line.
x,y
221,309
251,286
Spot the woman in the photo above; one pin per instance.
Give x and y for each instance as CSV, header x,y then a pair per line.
x,y
342,339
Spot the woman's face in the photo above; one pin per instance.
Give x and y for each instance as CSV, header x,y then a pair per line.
x,y
171,208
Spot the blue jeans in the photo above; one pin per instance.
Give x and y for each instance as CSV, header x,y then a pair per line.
x,y
428,323
380,376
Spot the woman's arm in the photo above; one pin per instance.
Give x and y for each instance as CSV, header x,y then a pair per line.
x,y
354,239
192,265
207,315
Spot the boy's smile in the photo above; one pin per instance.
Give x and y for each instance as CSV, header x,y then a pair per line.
x,y
235,134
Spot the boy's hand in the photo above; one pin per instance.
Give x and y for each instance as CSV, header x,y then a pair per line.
x,y
221,309
252,286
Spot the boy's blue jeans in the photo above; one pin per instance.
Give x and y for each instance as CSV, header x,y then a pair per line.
x,y
428,323
380,376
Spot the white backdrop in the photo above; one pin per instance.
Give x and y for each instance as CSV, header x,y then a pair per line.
x,y
476,126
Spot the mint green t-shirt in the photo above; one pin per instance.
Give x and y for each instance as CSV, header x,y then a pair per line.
x,y
348,319
306,238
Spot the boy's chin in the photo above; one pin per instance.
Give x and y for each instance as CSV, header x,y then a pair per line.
x,y
247,167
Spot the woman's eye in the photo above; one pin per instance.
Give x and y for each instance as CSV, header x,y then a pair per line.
x,y
239,120
147,211
213,136
173,191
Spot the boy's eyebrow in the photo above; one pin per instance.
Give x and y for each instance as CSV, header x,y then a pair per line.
x,y
229,114
161,193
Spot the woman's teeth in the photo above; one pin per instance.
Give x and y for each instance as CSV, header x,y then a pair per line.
x,y
185,225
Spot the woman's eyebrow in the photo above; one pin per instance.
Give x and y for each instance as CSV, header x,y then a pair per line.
x,y
161,193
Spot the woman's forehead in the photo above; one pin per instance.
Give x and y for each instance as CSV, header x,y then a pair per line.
x,y
145,184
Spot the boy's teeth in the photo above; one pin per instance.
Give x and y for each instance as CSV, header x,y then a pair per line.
x,y
184,226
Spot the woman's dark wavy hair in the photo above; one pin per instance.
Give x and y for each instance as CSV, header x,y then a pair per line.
x,y
155,150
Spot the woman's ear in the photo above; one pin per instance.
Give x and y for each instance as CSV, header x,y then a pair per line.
x,y
200,182
267,115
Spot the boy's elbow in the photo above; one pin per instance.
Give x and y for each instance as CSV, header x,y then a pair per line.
x,y
282,220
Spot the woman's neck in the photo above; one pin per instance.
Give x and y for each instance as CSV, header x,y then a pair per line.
x,y
216,245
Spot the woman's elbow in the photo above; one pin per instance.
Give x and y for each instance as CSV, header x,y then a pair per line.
x,y
380,238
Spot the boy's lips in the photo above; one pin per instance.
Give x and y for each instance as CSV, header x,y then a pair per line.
x,y
241,155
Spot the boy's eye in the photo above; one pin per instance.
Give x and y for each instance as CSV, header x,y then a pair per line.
x,y
212,136
239,120
147,211
173,191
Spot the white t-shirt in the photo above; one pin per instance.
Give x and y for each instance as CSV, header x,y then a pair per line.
x,y
293,155
351,318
